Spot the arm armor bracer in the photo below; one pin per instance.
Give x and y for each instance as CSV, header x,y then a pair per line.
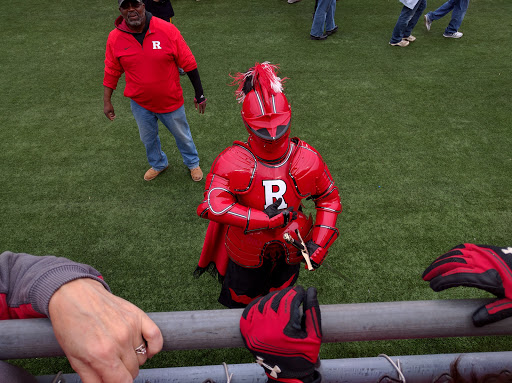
x,y
328,206
313,179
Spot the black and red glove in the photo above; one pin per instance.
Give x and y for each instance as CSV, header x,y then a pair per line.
x,y
278,217
316,252
282,340
485,267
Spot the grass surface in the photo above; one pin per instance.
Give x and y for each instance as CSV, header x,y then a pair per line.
x,y
418,140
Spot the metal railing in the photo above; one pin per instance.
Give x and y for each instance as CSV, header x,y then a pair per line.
x,y
187,330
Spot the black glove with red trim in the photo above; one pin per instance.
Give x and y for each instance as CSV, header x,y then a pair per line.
x,y
284,342
277,220
316,252
485,267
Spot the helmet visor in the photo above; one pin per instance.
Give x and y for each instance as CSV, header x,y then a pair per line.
x,y
270,126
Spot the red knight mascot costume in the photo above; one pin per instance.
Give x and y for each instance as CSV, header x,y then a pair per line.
x,y
253,197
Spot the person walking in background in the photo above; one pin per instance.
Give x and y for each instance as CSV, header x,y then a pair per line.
x,y
459,8
323,20
153,82
160,8
163,10
411,13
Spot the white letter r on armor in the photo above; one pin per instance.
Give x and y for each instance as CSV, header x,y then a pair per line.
x,y
271,194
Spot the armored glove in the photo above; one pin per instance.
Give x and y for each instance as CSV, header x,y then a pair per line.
x,y
285,343
316,253
485,267
278,217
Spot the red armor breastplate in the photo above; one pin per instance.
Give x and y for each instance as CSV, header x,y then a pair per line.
x,y
240,186
269,183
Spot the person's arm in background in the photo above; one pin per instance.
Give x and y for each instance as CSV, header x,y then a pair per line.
x,y
28,282
112,72
199,99
97,330
186,60
108,108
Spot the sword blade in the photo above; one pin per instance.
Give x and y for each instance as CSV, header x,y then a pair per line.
x,y
331,268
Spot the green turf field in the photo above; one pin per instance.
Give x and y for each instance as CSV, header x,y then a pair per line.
x,y
418,140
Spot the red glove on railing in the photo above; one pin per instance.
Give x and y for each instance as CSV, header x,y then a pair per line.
x,y
485,267
285,343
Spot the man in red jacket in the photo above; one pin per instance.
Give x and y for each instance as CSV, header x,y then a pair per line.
x,y
149,51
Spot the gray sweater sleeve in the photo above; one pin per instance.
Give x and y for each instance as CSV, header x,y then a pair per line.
x,y
28,282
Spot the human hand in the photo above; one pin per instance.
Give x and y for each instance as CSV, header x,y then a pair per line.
x,y
108,109
200,104
283,341
485,267
278,217
99,332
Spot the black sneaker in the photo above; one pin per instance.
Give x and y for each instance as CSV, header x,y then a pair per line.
x,y
323,37
334,30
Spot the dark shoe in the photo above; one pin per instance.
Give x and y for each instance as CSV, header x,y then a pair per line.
x,y
334,30
323,37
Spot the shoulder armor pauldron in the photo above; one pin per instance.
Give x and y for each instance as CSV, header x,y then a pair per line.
x,y
237,164
306,165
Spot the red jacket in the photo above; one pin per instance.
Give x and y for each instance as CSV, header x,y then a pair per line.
x,y
151,70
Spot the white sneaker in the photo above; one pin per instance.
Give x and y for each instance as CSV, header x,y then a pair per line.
x,y
401,43
428,23
293,1
455,35
410,38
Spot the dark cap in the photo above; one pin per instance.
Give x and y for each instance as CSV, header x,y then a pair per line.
x,y
122,1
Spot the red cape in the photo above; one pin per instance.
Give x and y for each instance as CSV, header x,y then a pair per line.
x,y
214,254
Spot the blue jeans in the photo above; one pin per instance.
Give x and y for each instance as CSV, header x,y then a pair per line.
x,y
324,17
459,8
177,124
407,21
